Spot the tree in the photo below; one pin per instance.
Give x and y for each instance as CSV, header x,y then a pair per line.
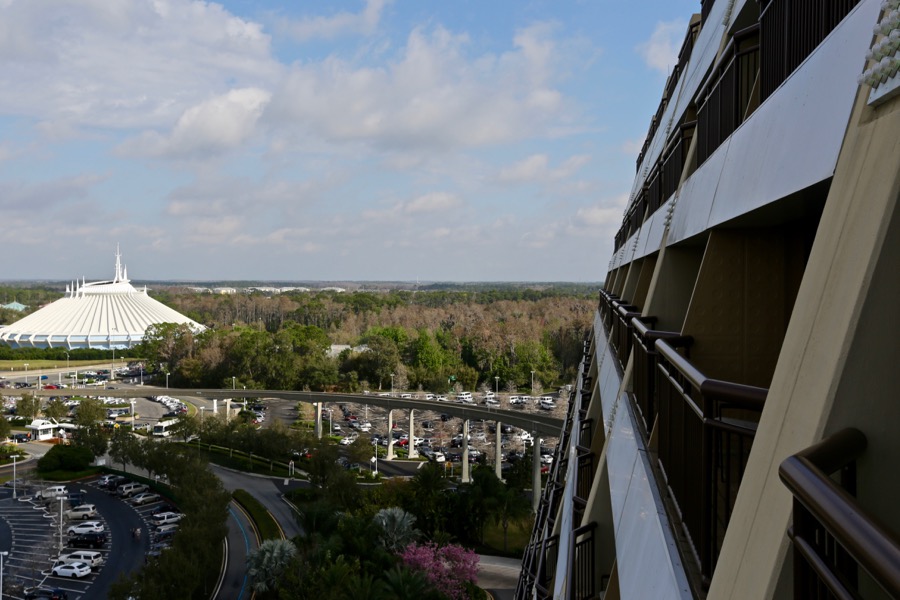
x,y
266,564
396,528
56,409
28,406
508,507
5,428
428,484
89,414
123,446
448,568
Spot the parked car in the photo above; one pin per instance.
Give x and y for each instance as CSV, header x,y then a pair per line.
x,y
78,570
143,498
127,490
91,558
88,540
46,593
82,512
52,492
166,518
86,527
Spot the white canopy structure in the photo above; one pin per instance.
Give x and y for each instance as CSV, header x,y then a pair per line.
x,y
101,314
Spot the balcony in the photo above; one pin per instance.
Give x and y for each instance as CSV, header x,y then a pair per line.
x,y
835,540
645,367
726,99
705,428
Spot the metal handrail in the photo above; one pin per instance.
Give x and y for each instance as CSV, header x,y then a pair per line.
x,y
743,396
806,475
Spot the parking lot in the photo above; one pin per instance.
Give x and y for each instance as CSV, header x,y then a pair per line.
x,y
34,535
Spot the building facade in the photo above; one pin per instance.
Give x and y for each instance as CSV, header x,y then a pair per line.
x,y
735,425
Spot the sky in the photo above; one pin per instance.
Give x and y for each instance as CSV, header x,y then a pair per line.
x,y
298,140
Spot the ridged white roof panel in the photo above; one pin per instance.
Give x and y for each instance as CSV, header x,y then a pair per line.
x,y
104,314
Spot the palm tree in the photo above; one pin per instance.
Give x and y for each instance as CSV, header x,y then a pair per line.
x,y
395,528
404,583
509,506
267,563
427,485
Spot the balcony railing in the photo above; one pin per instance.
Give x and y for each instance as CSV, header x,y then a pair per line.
x,y
622,330
789,31
725,98
645,361
706,427
834,538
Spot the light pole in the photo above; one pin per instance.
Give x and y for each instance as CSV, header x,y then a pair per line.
x,y
14,457
532,385
392,384
2,556
61,500
496,386
232,383
141,367
26,374
132,415
67,359
167,380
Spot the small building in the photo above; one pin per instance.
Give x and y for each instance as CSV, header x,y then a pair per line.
x,y
16,306
43,429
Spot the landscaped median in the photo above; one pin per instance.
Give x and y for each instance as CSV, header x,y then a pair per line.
x,y
266,524
242,461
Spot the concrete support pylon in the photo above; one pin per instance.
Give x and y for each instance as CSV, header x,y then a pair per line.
x,y
413,453
318,420
536,471
498,452
227,409
390,452
465,455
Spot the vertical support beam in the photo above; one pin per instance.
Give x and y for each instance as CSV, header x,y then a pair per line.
x,y
465,454
215,406
535,471
228,409
318,406
411,446
390,452
498,451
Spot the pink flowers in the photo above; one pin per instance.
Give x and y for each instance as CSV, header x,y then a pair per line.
x,y
448,568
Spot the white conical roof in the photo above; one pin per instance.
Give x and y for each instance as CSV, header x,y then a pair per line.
x,y
101,314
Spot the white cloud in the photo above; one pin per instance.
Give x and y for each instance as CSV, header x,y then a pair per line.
x,y
214,126
660,52
342,23
135,64
431,96
536,168
431,203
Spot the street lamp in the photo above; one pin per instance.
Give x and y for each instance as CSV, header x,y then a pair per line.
x,y
167,380
232,383
141,367
132,415
532,383
67,359
61,500
2,556
392,384
26,374
14,457
496,386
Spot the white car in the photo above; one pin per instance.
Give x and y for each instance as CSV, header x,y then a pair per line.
x,y
91,558
167,518
439,457
547,459
82,512
86,527
347,440
78,569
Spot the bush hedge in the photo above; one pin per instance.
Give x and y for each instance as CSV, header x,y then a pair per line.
x,y
266,524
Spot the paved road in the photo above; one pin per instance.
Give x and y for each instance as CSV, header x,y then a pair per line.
x,y
268,491
242,540
499,575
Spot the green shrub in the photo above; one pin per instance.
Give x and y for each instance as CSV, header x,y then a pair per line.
x,y
65,458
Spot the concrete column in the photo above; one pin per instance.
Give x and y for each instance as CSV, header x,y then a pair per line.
x,y
390,452
228,409
318,420
536,471
465,454
413,453
215,406
498,454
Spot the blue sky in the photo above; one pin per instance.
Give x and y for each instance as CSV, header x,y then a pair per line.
x,y
301,140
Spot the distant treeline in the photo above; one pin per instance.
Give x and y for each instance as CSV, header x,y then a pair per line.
x,y
7,353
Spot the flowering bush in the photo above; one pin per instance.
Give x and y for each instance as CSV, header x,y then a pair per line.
x,y
448,568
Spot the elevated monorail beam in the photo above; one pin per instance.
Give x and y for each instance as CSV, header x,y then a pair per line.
x,y
533,422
